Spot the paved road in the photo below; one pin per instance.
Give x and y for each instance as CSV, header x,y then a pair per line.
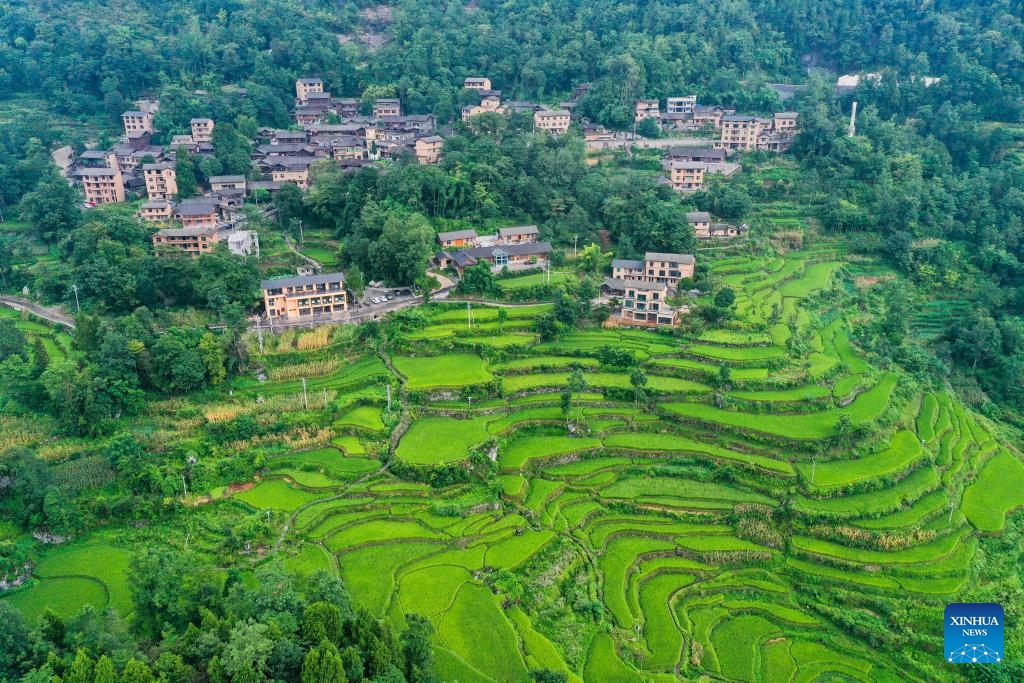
x,y
54,314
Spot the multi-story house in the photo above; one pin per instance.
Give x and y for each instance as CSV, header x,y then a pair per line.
x,y
136,122
457,239
700,221
785,122
741,132
292,170
554,121
220,183
681,105
705,116
646,109
428,149
156,211
644,305
202,130
198,213
686,176
477,83
308,296
645,286
161,180
489,103
194,241
305,86
348,147
387,107
101,185
520,234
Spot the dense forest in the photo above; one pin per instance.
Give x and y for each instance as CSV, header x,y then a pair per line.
x,y
933,182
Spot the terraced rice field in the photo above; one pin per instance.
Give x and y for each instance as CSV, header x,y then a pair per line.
x,y
701,533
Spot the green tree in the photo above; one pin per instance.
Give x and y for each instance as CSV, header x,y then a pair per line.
x,y
212,352
416,648
247,650
401,253
137,672
354,281
104,671
725,297
186,174
81,669
12,340
52,207
502,319
321,621
477,279
323,664
638,380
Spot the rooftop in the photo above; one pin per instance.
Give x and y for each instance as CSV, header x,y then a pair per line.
x,y
323,279
632,264
518,230
227,178
674,258
456,235
196,207
698,217
186,232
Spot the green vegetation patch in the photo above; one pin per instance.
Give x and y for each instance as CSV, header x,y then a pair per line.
x,y
449,370
441,440
904,449
998,490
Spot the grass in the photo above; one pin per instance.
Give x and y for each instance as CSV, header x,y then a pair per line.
x,y
366,417
882,500
475,629
524,449
449,370
927,552
805,393
997,490
904,450
731,353
664,639
633,487
816,276
65,596
736,641
277,494
640,441
523,281
801,427
441,440
604,664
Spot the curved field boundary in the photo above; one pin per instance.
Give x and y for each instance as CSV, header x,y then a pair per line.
x,y
904,451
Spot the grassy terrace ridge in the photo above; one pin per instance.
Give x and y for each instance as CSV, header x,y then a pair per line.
x,y
648,539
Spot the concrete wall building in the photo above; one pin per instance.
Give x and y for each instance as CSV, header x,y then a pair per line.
x,y
161,180
202,130
305,86
193,241
101,185
554,121
295,298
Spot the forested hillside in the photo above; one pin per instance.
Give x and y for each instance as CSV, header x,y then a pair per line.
x,y
788,485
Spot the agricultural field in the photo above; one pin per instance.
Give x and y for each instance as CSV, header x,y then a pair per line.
x,y
706,528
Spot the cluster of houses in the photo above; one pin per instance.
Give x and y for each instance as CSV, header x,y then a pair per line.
x,y
736,131
555,121
514,248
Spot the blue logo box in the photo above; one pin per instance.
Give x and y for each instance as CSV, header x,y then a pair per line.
x,y
974,633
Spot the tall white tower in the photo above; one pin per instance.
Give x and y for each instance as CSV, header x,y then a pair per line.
x,y
852,130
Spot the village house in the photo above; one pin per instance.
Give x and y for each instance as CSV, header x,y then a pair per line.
x,y
644,305
646,109
420,123
457,238
727,230
137,122
156,211
644,286
347,147
305,86
101,185
701,154
690,176
220,183
710,116
306,296
193,241
161,180
785,122
511,256
387,107
428,149
292,170
741,132
489,103
346,107
202,130
200,212
477,83
554,121
681,105
305,116
520,234
700,221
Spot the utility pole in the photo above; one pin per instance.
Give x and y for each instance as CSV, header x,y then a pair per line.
x,y
78,308
389,397
183,484
852,129
302,239
469,316
814,466
574,238
325,398
305,397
